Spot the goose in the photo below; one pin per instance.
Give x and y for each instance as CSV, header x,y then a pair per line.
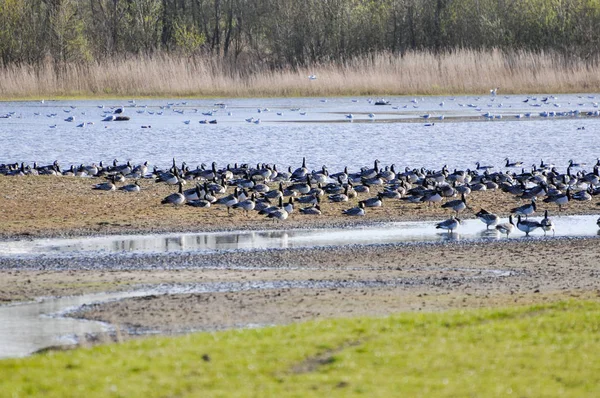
x,y
200,202
176,198
547,224
456,205
489,219
513,164
598,222
373,202
106,186
246,205
289,206
506,228
527,226
301,171
135,187
355,211
433,197
560,199
229,200
450,224
308,199
314,210
193,193
525,210
279,212
302,187
339,197
480,167
583,196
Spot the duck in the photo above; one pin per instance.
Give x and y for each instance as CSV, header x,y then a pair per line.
x,y
527,226
355,211
547,224
450,224
176,198
506,228
489,219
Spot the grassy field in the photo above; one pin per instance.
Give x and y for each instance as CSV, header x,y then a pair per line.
x,y
415,73
538,351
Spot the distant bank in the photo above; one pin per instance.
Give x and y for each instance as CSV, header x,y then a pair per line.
x,y
414,73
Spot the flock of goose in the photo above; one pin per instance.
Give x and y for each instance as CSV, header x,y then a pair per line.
x,y
276,193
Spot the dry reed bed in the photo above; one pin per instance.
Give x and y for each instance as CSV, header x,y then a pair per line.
x,y
458,72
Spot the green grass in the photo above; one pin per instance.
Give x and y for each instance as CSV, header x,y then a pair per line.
x,y
538,351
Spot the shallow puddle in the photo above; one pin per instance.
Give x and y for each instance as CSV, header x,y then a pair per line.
x,y
397,232
29,327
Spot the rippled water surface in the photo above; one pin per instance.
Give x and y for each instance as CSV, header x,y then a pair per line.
x,y
316,128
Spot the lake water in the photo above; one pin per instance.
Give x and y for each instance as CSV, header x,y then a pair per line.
x,y
316,128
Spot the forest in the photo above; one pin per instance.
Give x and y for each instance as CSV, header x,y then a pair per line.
x,y
243,38
284,33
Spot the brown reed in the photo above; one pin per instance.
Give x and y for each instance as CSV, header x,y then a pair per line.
x,y
414,73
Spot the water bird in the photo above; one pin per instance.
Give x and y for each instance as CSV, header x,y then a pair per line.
x,y
525,210
135,187
176,198
450,224
187,121
70,119
355,211
560,199
313,210
494,91
506,228
512,164
480,167
349,116
527,226
547,224
489,219
312,77
456,205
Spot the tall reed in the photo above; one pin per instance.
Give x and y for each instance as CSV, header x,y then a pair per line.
x,y
423,73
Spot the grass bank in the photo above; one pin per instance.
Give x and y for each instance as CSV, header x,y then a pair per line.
x,y
549,350
422,73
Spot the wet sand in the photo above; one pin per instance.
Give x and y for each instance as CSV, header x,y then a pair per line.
x,y
415,277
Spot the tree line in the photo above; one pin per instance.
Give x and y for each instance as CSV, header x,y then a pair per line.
x,y
289,33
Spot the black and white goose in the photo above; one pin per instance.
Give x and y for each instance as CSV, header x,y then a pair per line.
x,y
135,187
559,199
246,205
355,211
525,210
450,224
456,205
527,226
176,198
547,224
489,219
279,214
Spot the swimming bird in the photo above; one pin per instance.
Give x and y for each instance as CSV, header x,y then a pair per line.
x,y
527,226
506,228
176,198
480,167
355,211
512,164
489,219
450,224
547,224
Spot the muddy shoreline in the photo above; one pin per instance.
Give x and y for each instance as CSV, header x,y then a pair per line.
x,y
405,277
